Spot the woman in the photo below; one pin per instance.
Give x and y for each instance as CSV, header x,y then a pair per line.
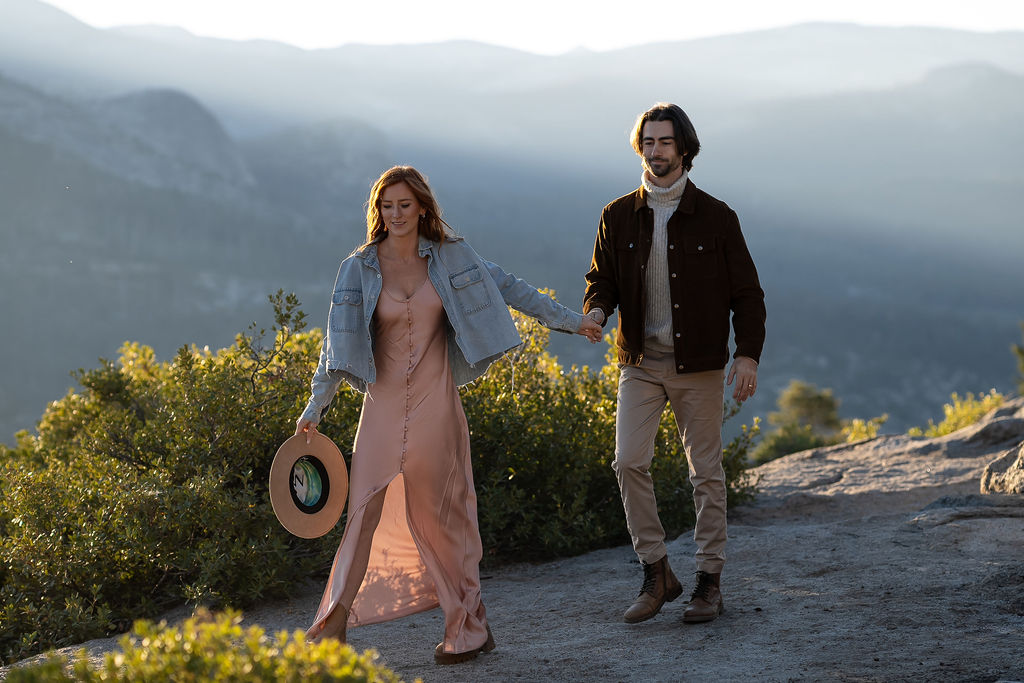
x,y
415,313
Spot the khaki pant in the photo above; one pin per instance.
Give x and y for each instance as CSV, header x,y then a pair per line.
x,y
696,401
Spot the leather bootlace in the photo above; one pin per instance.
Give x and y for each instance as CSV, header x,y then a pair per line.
x,y
650,579
703,588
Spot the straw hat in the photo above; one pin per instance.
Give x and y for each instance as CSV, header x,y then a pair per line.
x,y
308,485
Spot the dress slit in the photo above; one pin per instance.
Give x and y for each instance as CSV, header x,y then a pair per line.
x,y
412,445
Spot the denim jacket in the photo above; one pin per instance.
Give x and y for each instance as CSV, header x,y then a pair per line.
x,y
475,293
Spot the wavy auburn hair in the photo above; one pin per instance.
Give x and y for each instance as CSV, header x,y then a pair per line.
x,y
431,225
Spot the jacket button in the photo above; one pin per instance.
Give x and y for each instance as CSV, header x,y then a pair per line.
x,y
675,305
671,246
700,247
673,274
678,335
630,245
680,367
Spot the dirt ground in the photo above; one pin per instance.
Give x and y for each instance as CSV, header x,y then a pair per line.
x,y
878,561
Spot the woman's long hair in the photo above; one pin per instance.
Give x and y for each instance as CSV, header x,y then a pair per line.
x,y
431,225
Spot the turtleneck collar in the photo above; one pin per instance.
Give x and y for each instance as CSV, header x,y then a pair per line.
x,y
664,196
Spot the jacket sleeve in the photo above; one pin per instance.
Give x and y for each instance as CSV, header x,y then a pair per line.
x,y
746,298
602,287
524,297
323,388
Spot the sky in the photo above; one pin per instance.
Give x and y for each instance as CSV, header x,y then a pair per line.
x,y
540,26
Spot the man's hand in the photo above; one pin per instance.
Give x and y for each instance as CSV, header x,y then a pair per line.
x,y
307,426
590,329
744,371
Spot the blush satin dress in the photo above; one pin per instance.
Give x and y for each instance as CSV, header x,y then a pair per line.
x,y
412,528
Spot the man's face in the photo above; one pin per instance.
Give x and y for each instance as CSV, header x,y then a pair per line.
x,y
661,157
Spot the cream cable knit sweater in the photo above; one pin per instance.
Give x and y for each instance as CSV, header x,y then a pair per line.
x,y
658,312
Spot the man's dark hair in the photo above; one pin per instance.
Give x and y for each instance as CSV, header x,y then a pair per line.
x,y
686,136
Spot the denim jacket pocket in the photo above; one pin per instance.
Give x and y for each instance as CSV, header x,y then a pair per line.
x,y
346,310
469,289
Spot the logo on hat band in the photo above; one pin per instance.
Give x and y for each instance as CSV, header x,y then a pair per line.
x,y
311,486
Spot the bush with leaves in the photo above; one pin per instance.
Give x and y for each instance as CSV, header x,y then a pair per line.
x,y
962,412
808,417
543,441
859,429
211,648
148,488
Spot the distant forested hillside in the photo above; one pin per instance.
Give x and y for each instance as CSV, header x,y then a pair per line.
x,y
156,186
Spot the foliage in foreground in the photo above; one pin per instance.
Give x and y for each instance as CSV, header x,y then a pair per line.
x,y
960,413
148,488
212,648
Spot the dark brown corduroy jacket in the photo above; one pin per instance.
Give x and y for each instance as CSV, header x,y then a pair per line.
x,y
710,275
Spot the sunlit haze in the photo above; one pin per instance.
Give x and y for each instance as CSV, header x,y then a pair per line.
x,y
540,26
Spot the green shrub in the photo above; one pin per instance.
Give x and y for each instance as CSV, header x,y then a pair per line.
x,y
212,649
858,429
543,440
808,417
962,412
148,488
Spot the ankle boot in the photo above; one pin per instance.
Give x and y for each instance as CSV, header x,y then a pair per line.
x,y
706,600
660,586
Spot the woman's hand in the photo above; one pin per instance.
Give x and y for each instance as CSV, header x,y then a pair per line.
x,y
590,329
307,426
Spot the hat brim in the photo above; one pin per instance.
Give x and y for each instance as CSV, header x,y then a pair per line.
x,y
308,485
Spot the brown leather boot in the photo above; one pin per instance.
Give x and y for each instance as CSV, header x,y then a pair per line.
x,y
706,600
660,586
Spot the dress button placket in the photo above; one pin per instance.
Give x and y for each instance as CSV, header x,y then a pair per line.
x,y
408,388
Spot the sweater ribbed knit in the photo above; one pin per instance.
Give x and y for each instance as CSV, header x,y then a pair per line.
x,y
658,312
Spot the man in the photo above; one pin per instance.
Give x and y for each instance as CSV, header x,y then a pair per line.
x,y
673,260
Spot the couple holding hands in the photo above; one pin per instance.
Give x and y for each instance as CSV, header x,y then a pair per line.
x,y
416,313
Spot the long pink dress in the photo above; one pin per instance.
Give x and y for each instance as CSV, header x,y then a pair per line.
x,y
411,464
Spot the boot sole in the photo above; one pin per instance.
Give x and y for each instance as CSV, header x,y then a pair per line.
x,y
704,618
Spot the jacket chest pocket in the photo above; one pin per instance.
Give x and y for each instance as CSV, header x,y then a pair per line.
x,y
469,289
700,256
346,310
627,244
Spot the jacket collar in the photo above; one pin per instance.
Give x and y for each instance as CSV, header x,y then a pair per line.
x,y
687,203
425,246
369,256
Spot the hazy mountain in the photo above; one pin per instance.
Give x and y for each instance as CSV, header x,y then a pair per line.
x,y
156,186
316,170
109,234
182,135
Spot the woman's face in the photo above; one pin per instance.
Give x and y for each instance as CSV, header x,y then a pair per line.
x,y
399,210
